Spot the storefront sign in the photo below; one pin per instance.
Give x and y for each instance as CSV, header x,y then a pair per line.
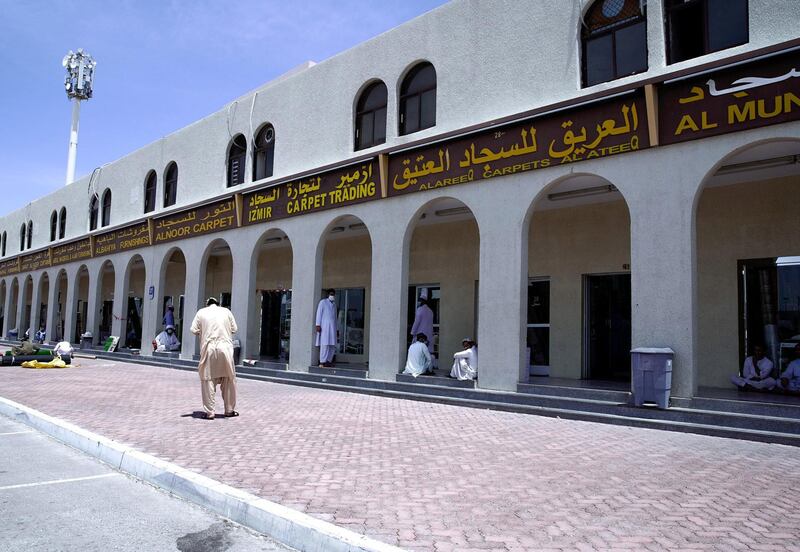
x,y
752,95
591,132
348,186
7,268
69,252
124,239
35,261
199,221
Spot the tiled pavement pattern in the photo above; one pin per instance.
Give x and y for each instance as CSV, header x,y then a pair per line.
x,y
434,477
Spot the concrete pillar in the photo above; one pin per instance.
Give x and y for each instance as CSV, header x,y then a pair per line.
x,y
21,300
309,248
8,324
243,292
387,327
501,298
52,310
93,307
36,291
151,310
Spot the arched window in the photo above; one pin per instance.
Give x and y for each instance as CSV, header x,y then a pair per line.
x,y
53,226
614,40
264,153
418,99
699,27
370,126
30,233
3,244
150,183
171,184
106,218
236,160
22,238
62,223
93,209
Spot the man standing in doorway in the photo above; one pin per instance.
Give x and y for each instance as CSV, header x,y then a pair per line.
x,y
215,325
423,323
327,334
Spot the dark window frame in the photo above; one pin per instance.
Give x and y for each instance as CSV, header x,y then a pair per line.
x,y
261,147
612,30
170,185
361,113
105,216
62,223
3,239
670,8
240,157
22,232
53,226
150,191
94,212
406,96
30,233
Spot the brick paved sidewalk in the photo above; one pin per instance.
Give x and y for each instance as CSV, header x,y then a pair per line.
x,y
435,477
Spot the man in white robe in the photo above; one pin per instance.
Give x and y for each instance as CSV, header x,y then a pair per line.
x,y
167,340
419,357
790,378
423,321
327,333
465,363
215,325
756,371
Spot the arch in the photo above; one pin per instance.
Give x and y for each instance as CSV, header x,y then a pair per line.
x,y
370,115
613,40
344,253
105,302
3,241
30,234
171,184
263,152
61,283
79,310
216,272
3,299
417,106
150,185
172,286
62,223
93,212
27,305
133,303
577,250
106,212
13,304
236,157
22,234
271,264
40,319
53,225
747,258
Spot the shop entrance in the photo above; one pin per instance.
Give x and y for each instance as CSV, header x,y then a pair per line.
x,y
607,341
276,317
433,295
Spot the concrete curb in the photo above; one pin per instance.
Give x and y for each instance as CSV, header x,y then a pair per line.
x,y
283,524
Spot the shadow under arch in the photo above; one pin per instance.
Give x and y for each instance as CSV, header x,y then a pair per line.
x,y
576,246
747,258
271,271
3,303
133,305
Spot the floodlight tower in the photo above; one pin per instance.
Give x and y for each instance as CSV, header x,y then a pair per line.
x,y
78,83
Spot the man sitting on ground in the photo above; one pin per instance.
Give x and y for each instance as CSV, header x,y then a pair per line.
x,y
465,363
755,372
419,357
167,341
790,378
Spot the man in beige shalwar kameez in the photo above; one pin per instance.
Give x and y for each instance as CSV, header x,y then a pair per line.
x,y
215,325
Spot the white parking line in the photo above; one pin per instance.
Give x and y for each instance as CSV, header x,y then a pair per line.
x,y
15,433
53,482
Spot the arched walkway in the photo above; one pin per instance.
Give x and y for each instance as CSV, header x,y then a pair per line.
x,y
133,303
27,299
172,283
81,306
13,306
61,285
269,334
578,315
105,302
748,260
3,299
40,321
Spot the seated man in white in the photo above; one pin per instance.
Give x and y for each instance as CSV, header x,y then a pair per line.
x,y
790,378
419,357
465,363
167,341
756,371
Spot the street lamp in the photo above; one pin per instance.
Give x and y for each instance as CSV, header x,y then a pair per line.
x,y
78,84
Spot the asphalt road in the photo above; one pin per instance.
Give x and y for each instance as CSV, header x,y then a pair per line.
x,y
54,498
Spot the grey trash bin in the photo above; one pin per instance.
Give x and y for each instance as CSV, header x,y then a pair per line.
x,y
86,342
652,375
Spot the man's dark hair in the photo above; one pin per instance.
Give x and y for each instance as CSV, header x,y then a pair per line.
x,y
422,336
212,301
328,292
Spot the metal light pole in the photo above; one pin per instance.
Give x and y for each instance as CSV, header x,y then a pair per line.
x,y
78,84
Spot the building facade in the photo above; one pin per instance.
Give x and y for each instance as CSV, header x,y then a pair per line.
x,y
565,181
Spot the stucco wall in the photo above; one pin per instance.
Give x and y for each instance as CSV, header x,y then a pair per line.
x,y
564,245
742,221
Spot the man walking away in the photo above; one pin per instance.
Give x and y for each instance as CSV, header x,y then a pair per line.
x,y
215,325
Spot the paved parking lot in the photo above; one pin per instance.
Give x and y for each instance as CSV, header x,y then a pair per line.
x,y
428,476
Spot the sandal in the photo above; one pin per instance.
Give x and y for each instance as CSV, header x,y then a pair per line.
x,y
232,414
209,416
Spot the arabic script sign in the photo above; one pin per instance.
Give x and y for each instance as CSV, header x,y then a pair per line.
x,y
9,267
123,239
69,252
199,221
35,261
591,132
348,186
747,96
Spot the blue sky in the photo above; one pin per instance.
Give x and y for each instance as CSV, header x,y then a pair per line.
x,y
161,65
